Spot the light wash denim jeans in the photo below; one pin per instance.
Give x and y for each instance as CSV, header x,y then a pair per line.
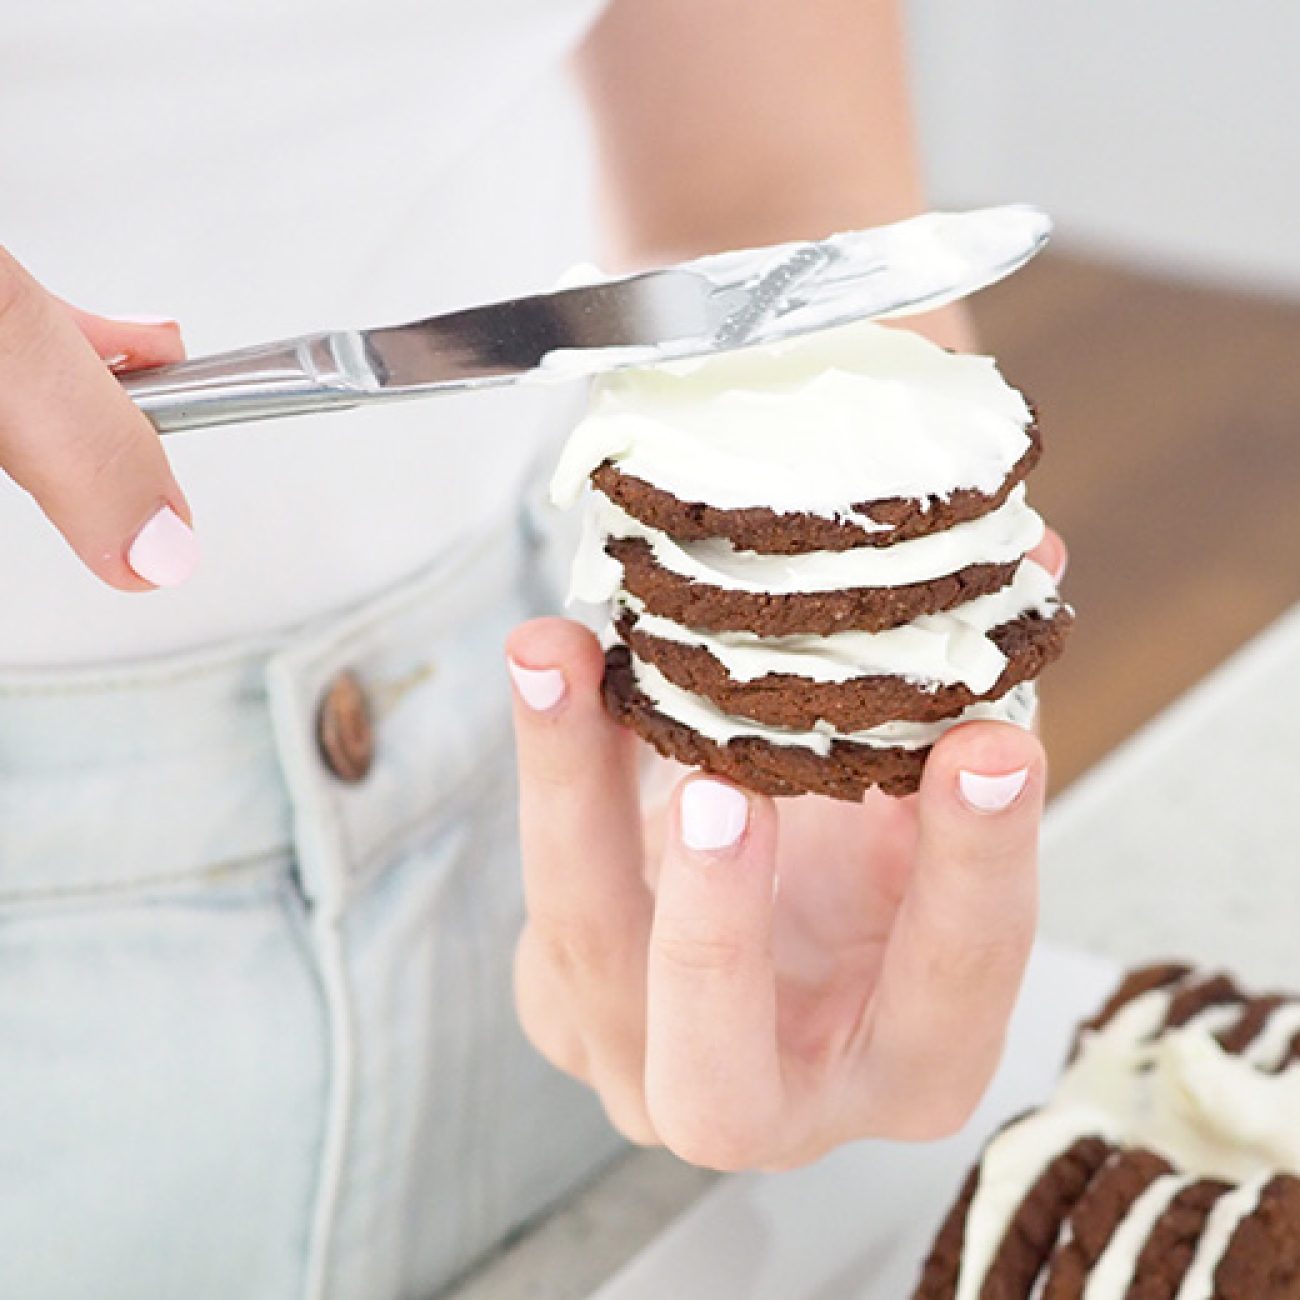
x,y
256,1031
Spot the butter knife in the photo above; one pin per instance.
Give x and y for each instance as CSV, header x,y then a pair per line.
x,y
711,304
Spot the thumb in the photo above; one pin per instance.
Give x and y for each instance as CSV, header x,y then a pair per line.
x,y
72,438
959,945
130,343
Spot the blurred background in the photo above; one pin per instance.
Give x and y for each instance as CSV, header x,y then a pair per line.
x,y
1160,335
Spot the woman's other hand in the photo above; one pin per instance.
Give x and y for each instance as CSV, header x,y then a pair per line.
x,y
744,1025
72,438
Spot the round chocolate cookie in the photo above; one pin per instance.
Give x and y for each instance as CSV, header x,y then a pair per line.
x,y
848,771
1104,1205
1030,643
1031,1235
760,529
1262,1261
862,609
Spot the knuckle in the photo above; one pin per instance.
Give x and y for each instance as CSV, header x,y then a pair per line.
x,y
933,1118
627,1116
21,320
702,954
969,965
709,1143
574,949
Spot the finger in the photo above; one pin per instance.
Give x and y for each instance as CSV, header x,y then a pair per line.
x,y
580,826
713,1075
130,343
1052,554
542,1007
71,437
954,961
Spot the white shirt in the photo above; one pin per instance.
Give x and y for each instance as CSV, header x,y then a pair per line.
x,y
262,168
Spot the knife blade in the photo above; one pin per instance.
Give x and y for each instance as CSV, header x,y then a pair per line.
x,y
712,304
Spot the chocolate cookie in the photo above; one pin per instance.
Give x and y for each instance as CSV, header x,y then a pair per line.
x,y
759,529
1262,1261
866,609
1104,1205
1030,643
847,772
1031,1235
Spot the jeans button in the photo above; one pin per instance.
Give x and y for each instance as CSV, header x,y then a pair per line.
x,y
344,729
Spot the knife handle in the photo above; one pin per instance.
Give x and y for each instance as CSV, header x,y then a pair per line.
x,y
318,372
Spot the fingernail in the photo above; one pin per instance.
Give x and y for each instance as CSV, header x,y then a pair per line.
x,y
713,816
991,794
539,688
118,361
164,551
145,320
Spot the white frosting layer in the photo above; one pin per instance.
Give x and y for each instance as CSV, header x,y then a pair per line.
x,y
1212,1113
933,650
1012,1164
1113,1272
704,717
1224,1219
999,537
811,425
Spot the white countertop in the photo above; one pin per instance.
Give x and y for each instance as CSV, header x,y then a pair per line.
x,y
1184,842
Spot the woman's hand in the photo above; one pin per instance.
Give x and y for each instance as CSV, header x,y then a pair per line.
x,y
72,438
748,988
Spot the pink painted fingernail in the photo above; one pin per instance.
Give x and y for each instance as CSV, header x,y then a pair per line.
x,y
991,794
164,551
713,815
145,320
539,688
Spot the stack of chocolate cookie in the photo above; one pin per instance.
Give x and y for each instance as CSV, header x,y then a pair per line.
x,y
1164,1167
815,554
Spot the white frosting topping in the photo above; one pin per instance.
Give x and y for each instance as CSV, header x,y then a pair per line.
x,y
809,425
1224,1219
704,717
1112,1274
1210,1112
933,650
999,537
1012,1164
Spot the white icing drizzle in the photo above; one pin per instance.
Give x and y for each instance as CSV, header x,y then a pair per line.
x,y
1113,1273
933,650
855,414
1268,1049
704,717
1001,536
1013,1162
1220,1227
1211,1112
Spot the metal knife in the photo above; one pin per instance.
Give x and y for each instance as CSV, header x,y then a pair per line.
x,y
712,304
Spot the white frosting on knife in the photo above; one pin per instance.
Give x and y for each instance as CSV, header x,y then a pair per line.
x,y
933,650
999,537
810,425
